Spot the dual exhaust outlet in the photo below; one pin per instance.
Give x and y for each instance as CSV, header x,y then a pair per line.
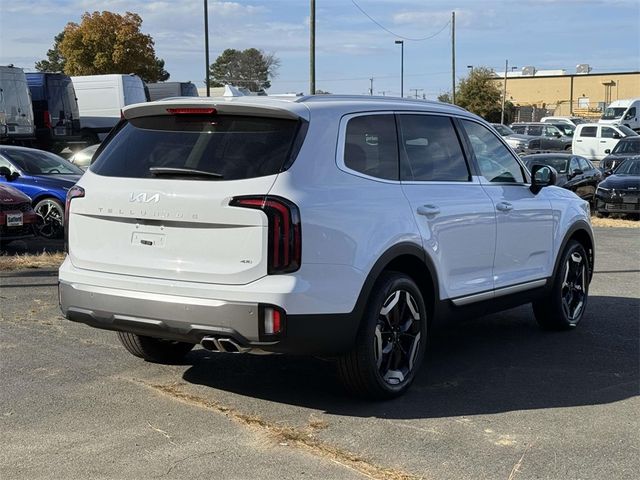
x,y
223,344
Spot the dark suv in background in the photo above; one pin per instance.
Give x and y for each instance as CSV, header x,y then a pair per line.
x,y
546,136
55,111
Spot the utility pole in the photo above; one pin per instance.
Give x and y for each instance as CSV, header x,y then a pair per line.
x,y
312,48
371,86
453,57
415,91
206,44
504,90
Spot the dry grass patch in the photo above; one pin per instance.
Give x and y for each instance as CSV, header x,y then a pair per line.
x,y
614,222
30,260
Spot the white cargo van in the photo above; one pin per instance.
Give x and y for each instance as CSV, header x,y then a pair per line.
x,y
16,112
100,99
594,141
624,112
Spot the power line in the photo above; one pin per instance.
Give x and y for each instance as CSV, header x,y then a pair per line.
x,y
395,34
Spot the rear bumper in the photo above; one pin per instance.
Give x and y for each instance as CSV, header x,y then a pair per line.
x,y
179,315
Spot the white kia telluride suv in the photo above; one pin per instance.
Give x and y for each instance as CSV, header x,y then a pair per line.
x,y
343,227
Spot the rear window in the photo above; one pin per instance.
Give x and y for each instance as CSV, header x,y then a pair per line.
x,y
232,147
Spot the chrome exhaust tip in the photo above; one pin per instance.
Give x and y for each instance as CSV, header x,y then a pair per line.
x,y
227,345
211,344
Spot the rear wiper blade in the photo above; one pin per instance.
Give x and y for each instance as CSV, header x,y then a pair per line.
x,y
182,172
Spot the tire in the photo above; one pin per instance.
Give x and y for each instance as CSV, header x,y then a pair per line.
x,y
602,214
567,148
566,303
52,213
90,138
367,370
154,350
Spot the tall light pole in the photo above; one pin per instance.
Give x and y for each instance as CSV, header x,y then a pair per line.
x,y
206,44
312,48
504,90
401,43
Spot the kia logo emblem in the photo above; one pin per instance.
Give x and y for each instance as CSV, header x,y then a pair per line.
x,y
144,197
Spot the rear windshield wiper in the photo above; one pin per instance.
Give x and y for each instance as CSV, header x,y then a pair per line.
x,y
182,172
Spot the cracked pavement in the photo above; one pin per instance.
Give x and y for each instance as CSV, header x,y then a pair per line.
x,y
499,399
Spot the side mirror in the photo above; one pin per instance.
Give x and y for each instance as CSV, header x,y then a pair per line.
x,y
616,135
576,172
542,176
608,172
607,151
557,135
6,173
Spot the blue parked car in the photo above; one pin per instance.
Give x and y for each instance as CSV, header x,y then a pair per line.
x,y
45,178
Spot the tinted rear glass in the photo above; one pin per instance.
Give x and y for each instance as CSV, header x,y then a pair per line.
x,y
235,147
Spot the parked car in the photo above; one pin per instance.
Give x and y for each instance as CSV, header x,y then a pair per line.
x,y
16,113
592,140
45,178
571,121
625,148
83,157
160,90
100,100
565,128
620,192
502,129
338,227
55,110
624,112
17,218
542,136
575,173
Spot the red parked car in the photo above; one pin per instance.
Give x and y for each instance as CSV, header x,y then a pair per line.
x,y
17,218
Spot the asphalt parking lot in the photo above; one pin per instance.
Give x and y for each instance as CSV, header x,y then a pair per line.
x,y
499,399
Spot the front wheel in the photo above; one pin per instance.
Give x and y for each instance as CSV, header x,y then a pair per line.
x,y
154,350
391,342
564,307
52,213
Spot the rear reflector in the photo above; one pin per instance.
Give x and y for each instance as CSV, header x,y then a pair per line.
x,y
46,118
273,320
192,111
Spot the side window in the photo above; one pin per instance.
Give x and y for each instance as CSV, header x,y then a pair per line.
x,y
574,165
589,131
371,146
535,130
518,129
496,163
608,132
550,131
631,113
585,165
430,150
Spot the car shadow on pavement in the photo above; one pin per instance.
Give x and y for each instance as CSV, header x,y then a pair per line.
x,y
34,245
494,364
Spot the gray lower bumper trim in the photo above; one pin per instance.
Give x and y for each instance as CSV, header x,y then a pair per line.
x,y
163,316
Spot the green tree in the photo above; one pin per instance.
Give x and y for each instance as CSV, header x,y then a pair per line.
x,y
251,68
480,94
105,42
55,61
445,97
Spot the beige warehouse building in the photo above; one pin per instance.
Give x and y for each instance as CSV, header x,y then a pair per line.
x,y
554,92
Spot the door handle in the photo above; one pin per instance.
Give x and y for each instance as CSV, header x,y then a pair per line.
x,y
579,141
603,141
428,210
504,206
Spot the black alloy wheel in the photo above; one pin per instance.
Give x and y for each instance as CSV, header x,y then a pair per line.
x,y
52,214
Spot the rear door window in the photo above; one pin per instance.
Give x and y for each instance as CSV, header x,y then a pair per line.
x,y
371,146
518,129
588,131
430,150
231,147
535,130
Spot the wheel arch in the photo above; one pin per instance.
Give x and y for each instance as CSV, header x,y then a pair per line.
x,y
45,195
580,232
410,259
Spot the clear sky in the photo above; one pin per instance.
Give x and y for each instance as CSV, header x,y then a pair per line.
x,y
548,34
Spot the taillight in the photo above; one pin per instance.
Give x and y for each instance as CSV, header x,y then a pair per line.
x,y
46,117
74,192
285,236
